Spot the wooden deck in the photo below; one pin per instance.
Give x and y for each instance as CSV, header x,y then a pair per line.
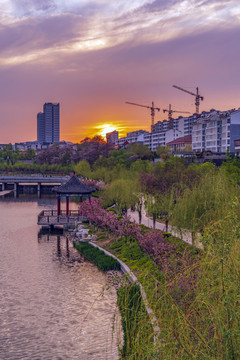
x,y
50,217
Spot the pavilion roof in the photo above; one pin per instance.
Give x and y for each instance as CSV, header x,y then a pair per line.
x,y
74,186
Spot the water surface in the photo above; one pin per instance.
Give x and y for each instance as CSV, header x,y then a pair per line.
x,y
53,304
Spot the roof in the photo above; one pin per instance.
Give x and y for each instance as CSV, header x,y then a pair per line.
x,y
181,140
74,186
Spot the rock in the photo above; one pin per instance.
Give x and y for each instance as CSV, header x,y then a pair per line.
x,y
94,237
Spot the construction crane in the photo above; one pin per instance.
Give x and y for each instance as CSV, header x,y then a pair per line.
x,y
170,111
197,97
152,108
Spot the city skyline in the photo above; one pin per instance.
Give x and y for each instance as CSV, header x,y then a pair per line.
x,y
93,57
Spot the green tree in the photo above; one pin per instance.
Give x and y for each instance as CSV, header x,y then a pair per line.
x,y
122,192
82,168
141,166
141,150
160,207
206,203
162,151
30,154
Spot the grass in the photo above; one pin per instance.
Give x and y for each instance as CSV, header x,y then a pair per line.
x,y
200,323
137,328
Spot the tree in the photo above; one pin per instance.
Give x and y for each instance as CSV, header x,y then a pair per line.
x,y
162,151
122,192
99,139
30,154
83,168
160,206
206,203
141,166
141,150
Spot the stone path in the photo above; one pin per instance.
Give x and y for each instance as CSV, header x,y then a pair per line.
x,y
147,221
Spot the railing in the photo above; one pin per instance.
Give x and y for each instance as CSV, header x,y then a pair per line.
x,y
33,179
51,217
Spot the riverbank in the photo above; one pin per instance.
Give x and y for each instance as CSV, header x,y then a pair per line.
x,y
164,265
141,328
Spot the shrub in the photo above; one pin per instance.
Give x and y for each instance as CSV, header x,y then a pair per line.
x,y
166,234
104,262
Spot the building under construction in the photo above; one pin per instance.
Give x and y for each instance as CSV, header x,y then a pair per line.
x,y
214,130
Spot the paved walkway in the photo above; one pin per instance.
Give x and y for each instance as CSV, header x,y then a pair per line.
x,y
147,221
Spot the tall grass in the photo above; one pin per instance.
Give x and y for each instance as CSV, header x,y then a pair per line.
x,y
198,308
138,333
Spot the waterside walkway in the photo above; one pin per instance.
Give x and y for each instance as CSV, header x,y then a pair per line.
x,y
147,221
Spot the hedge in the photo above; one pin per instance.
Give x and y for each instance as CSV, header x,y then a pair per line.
x,y
98,257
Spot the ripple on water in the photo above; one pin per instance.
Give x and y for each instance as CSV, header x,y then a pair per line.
x,y
53,304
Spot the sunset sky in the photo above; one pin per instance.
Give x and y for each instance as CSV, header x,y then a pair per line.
x,y
93,56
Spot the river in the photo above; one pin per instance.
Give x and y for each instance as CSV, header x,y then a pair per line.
x,y
53,304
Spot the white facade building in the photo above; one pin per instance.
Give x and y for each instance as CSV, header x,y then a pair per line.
x,y
132,137
161,138
161,134
216,131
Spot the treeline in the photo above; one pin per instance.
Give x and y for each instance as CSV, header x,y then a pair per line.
x,y
65,158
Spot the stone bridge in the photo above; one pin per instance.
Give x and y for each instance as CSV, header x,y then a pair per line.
x,y
12,182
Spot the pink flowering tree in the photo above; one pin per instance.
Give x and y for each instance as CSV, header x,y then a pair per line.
x,y
178,266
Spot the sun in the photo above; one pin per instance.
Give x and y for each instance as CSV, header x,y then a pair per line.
x,y
106,128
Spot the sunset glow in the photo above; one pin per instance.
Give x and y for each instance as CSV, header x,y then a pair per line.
x,y
105,128
93,57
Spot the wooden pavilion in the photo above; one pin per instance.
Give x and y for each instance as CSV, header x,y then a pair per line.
x,y
72,188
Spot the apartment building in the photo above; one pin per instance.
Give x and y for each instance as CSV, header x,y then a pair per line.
x,y
112,137
179,144
161,133
216,131
161,138
132,137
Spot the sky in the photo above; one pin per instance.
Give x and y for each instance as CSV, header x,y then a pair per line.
x,y
92,56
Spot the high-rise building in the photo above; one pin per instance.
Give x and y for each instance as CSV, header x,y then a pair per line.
x,y
48,123
40,127
216,131
112,137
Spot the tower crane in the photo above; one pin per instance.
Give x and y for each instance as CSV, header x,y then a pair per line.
x,y
170,111
198,97
152,108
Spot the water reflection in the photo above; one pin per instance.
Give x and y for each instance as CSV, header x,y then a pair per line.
x,y
53,304
64,250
